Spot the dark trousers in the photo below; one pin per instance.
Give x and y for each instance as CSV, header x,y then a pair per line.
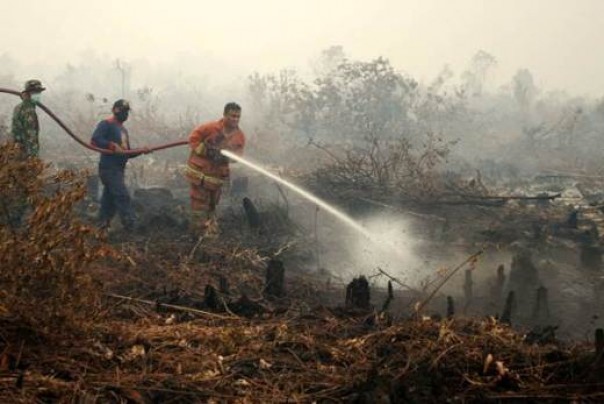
x,y
116,198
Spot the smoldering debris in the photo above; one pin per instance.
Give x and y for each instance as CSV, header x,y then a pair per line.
x,y
288,305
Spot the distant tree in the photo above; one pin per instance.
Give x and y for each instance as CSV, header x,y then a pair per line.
x,y
280,103
524,89
329,60
359,99
475,77
373,122
443,76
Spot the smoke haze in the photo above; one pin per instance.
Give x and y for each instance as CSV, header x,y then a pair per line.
x,y
223,41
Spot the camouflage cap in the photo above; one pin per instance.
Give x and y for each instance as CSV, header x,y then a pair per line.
x,y
122,105
33,86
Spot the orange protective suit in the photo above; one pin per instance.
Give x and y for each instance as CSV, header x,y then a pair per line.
x,y
205,175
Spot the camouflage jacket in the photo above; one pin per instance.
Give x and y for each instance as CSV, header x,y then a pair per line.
x,y
26,128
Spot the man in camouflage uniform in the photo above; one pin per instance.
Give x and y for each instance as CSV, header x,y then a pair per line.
x,y
25,125
25,131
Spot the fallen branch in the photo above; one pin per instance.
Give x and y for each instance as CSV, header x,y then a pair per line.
x,y
515,197
172,306
420,215
395,280
561,174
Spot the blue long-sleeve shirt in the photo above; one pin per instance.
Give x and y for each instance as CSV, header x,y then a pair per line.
x,y
108,134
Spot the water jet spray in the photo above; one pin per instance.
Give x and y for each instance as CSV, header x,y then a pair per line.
x,y
319,202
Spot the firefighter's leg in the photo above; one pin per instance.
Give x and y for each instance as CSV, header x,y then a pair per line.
x,y
211,226
123,202
108,209
203,205
121,198
200,209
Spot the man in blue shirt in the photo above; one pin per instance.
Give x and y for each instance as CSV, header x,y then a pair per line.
x,y
111,134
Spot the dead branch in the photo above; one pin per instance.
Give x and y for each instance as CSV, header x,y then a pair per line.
x,y
172,306
468,260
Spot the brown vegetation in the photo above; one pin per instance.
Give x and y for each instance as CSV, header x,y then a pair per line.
x,y
82,323
44,276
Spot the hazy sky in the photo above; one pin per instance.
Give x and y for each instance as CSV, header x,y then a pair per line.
x,y
560,41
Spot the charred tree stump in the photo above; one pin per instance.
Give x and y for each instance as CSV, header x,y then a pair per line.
x,y
246,307
598,288
467,289
499,283
497,287
389,298
211,299
510,302
524,279
541,308
253,217
599,344
358,294
450,307
223,285
275,279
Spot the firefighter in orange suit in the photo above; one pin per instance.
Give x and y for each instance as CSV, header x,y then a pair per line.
x,y
207,169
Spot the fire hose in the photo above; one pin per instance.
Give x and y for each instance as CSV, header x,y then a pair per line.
x,y
88,145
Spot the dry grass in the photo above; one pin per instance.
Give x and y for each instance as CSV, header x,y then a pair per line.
x,y
67,338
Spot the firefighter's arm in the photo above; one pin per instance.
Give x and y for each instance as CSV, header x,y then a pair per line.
x,y
197,140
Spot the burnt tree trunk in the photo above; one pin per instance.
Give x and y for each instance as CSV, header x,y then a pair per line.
x,y
541,308
499,283
357,294
211,299
450,307
275,279
389,298
524,279
599,342
467,289
510,302
223,285
253,217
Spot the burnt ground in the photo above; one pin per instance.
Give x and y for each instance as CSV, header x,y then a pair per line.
x,y
185,320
